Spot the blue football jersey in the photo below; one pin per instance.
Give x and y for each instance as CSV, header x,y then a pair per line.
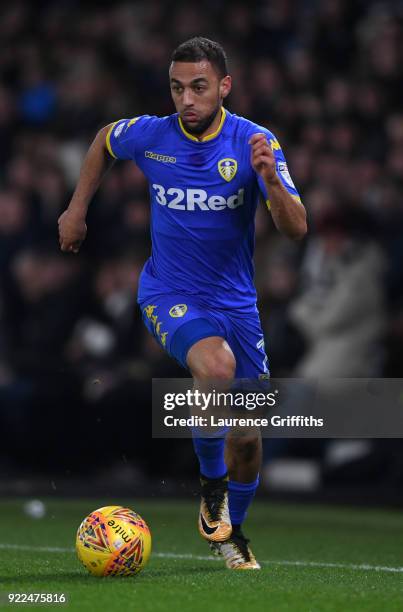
x,y
203,202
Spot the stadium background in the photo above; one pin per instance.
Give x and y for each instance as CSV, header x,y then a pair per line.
x,y
75,360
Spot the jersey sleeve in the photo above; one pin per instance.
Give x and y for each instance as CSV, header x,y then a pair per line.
x,y
281,169
124,135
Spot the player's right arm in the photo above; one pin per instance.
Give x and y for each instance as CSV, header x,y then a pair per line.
x,y
72,226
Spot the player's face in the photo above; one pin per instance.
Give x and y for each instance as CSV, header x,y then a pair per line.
x,y
197,92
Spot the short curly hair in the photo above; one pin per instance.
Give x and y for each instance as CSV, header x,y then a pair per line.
x,y
198,49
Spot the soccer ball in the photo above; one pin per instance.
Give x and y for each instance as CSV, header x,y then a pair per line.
x,y
113,541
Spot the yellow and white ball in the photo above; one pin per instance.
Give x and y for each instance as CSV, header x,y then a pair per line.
x,y
113,541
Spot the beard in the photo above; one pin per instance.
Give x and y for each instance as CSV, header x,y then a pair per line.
x,y
202,125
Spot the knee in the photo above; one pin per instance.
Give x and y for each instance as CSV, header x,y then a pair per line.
x,y
244,447
218,365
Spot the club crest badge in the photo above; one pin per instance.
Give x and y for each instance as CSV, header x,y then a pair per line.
x,y
178,310
227,167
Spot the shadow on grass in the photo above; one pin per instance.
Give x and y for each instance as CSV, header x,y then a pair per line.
x,y
78,577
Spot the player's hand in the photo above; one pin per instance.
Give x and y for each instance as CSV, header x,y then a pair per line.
x,y
72,231
262,157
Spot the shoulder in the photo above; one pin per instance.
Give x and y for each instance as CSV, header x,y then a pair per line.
x,y
125,136
247,128
154,122
149,123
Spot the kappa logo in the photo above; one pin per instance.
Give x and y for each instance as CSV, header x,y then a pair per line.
x,y
159,157
162,336
227,168
274,144
178,310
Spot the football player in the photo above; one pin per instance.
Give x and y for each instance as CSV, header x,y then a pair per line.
x,y
205,167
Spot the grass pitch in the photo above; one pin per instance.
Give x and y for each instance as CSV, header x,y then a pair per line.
x,y
314,559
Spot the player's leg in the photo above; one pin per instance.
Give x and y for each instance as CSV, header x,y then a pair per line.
x,y
243,455
243,450
179,326
197,342
211,359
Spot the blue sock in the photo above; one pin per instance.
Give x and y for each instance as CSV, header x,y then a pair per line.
x,y
240,495
210,452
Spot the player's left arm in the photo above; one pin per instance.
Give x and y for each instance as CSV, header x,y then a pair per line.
x,y
288,212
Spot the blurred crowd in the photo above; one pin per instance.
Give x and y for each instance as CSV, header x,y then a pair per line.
x,y
323,75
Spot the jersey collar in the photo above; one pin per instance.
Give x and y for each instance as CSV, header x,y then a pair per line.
x,y
210,136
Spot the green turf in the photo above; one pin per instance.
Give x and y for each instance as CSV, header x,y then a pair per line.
x,y
279,534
